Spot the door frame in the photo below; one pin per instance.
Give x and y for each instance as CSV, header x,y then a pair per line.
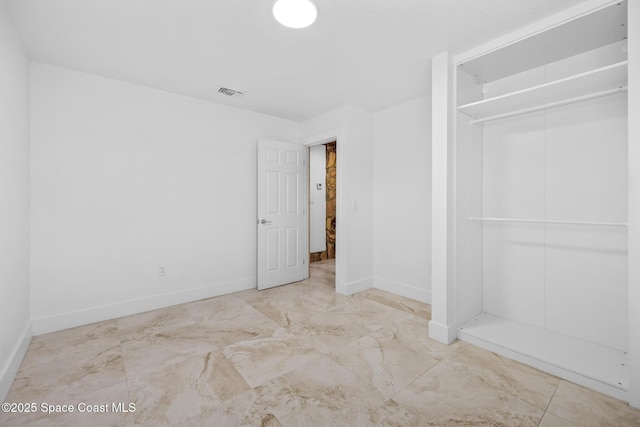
x,y
341,238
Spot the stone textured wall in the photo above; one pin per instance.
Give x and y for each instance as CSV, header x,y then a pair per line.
x,y
330,184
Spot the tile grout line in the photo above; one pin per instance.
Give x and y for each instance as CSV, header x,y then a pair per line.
x,y
549,404
126,380
504,390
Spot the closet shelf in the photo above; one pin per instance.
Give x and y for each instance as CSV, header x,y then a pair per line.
x,y
591,84
599,367
549,221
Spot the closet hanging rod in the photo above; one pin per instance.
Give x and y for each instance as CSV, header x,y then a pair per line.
x,y
551,105
549,221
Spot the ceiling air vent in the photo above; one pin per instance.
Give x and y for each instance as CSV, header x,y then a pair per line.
x,y
230,92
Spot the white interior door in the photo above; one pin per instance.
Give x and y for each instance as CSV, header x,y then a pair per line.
x,y
282,213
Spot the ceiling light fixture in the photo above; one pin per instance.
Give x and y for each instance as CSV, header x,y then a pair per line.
x,y
295,13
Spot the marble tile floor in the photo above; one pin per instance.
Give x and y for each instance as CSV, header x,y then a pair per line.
x,y
296,355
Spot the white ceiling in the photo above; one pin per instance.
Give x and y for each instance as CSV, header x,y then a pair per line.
x,y
369,53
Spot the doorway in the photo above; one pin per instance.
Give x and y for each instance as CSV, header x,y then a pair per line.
x,y
322,202
339,266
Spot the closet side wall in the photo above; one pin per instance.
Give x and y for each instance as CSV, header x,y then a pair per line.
x,y
468,204
634,202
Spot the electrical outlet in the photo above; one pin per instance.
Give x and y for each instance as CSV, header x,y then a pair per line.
x,y
162,271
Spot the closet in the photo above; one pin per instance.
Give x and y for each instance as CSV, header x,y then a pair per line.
x,y
539,195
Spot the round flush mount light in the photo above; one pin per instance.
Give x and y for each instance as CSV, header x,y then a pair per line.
x,y
295,13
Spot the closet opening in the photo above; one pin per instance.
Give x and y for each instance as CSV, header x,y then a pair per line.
x,y
541,203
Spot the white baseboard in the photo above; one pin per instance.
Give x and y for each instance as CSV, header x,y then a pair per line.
x,y
58,322
402,289
442,333
354,287
11,367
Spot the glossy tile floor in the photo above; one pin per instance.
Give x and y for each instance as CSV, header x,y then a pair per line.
x,y
297,355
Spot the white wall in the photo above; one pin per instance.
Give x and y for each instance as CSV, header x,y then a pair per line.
x,y
127,179
317,199
357,159
354,221
15,327
634,203
402,199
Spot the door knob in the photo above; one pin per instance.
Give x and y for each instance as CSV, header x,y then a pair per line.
x,y
264,221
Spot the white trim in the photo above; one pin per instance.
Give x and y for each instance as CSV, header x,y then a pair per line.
x,y
452,202
402,289
354,287
442,333
58,322
324,137
634,201
442,209
11,367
